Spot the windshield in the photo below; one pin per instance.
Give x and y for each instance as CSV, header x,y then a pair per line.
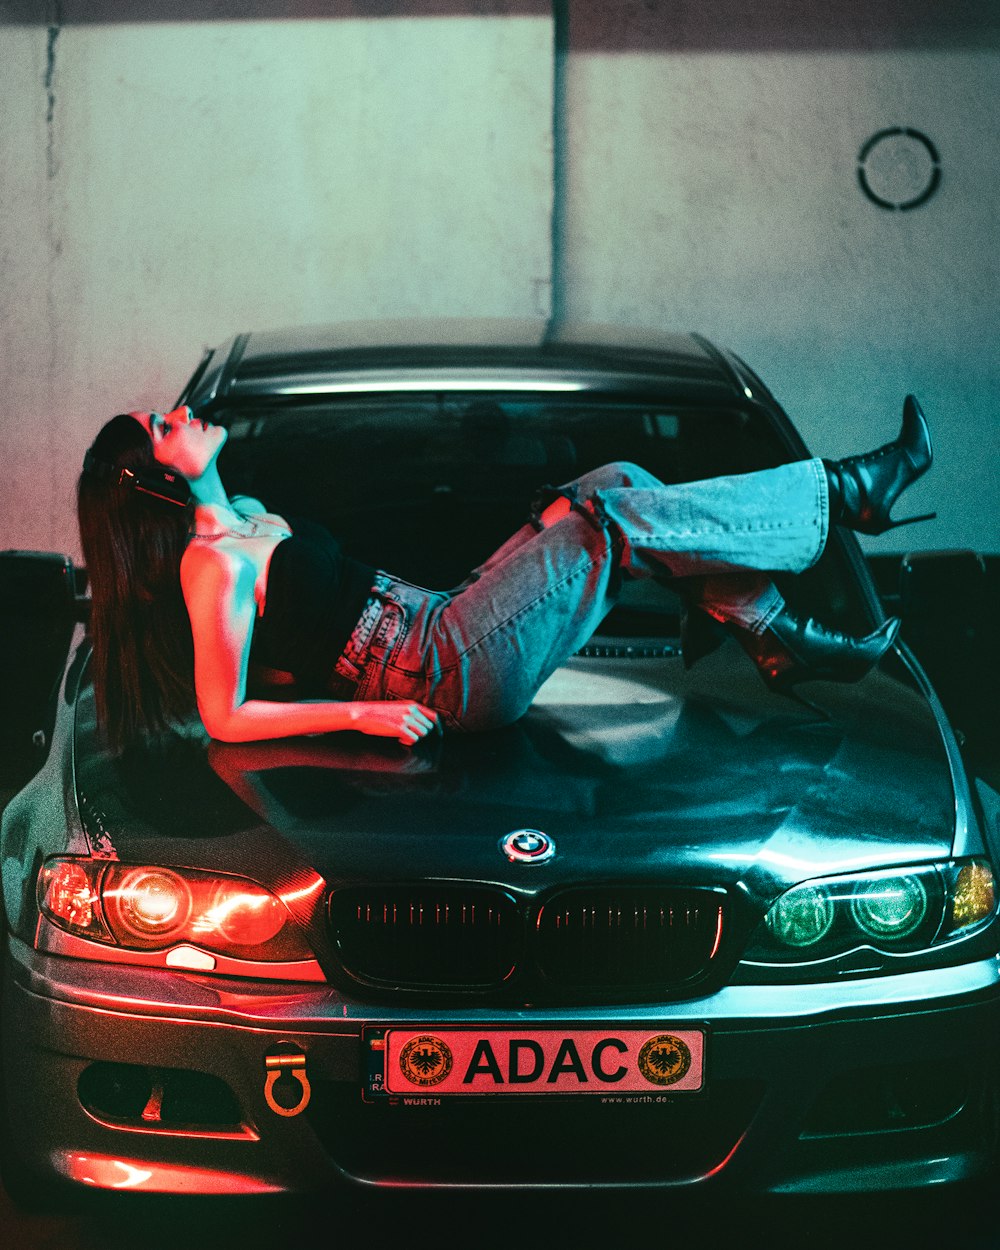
x,y
428,486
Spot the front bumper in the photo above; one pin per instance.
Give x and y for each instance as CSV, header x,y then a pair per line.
x,y
878,1083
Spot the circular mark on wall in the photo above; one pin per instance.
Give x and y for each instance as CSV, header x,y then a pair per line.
x,y
899,168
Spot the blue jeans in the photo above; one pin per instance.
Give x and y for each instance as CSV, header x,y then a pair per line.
x,y
478,654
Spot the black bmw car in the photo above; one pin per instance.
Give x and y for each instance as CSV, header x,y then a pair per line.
x,y
668,929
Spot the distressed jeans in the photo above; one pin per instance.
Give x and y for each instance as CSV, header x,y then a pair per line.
x,y
478,654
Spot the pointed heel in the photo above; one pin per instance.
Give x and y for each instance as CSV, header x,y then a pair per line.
x,y
910,520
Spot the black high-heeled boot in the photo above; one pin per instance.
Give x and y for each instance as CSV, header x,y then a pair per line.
x,y
793,649
864,488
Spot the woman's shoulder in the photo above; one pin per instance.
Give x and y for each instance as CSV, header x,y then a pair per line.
x,y
214,565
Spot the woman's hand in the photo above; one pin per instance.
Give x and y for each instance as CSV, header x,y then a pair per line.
x,y
409,722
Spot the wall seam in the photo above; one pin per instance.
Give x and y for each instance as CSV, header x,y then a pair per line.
x,y
54,30
557,272
54,22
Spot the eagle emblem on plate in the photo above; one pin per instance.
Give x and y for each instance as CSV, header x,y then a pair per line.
x,y
425,1060
664,1059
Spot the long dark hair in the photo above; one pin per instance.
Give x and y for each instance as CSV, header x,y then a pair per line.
x,y
143,654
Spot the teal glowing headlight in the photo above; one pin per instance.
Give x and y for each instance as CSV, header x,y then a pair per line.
x,y
896,912
892,908
802,917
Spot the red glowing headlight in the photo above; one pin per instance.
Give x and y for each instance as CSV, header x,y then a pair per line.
x,y
151,908
245,914
148,904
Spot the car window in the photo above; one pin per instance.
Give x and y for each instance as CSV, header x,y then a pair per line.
x,y
427,486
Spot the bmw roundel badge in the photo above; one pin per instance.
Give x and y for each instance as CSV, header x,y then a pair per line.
x,y
528,846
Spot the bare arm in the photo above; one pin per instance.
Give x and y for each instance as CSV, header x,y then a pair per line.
x,y
219,594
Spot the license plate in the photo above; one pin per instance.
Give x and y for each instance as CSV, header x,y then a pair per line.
x,y
437,1062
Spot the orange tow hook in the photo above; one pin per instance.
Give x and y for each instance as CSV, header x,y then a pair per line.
x,y
295,1066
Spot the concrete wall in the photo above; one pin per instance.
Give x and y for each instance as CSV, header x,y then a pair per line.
x,y
164,184
171,179
710,183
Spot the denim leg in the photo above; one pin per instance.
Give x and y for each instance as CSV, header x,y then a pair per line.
x,y
497,639
749,599
542,595
774,519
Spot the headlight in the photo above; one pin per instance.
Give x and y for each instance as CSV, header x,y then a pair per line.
x,y
894,912
151,908
890,908
802,917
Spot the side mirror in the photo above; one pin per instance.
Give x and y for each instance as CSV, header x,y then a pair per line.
x,y
949,603
39,608
941,585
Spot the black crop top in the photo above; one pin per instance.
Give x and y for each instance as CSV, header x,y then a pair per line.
x,y
315,595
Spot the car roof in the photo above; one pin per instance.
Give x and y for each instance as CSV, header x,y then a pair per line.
x,y
452,353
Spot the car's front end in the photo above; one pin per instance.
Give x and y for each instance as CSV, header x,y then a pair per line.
x,y
669,929
759,952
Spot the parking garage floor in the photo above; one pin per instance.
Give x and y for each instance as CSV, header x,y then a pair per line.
x,y
964,1218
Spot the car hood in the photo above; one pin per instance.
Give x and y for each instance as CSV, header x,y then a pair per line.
x,y
638,771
